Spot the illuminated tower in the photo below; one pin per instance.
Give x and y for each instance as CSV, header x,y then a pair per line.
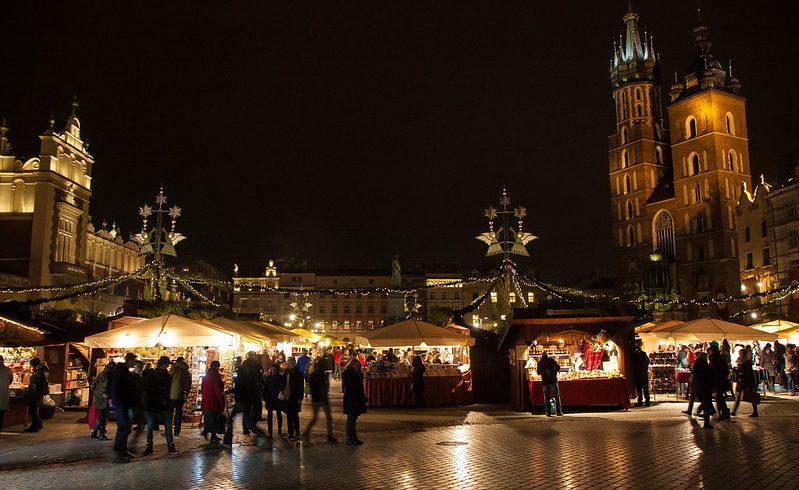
x,y
710,154
638,152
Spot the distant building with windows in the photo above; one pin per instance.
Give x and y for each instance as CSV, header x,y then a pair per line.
x,y
675,181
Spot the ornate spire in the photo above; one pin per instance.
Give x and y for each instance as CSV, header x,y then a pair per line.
x,y
634,58
5,145
705,71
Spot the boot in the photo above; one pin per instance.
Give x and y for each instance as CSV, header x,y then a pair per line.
x,y
172,451
148,450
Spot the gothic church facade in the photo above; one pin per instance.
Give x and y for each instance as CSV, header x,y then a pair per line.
x,y
675,177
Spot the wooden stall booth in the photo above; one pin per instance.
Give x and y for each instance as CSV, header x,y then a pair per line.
x,y
594,350
18,345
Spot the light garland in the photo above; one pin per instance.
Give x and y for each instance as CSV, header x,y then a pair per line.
x,y
70,287
194,291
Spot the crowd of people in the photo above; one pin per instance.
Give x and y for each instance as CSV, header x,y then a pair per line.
x,y
719,371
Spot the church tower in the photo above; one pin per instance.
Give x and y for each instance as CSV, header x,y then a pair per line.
x,y
638,152
710,155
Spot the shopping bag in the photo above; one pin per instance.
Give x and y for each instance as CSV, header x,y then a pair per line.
x,y
93,417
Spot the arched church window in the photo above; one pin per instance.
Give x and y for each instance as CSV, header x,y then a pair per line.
x,y
624,135
732,161
625,159
628,210
659,155
730,123
697,193
627,184
663,234
693,164
690,127
630,236
623,106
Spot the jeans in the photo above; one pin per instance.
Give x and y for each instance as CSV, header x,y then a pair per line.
x,y
279,416
153,419
352,433
791,383
123,428
176,414
337,371
552,391
315,407
247,412
33,411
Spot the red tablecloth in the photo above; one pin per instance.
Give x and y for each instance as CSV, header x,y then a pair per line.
x,y
585,392
683,376
438,390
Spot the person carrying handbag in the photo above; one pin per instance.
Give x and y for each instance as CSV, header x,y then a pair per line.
x,y
291,396
746,389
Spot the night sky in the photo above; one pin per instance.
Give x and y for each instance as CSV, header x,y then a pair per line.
x,y
345,132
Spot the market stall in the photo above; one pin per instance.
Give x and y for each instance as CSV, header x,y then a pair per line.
x,y
18,345
446,352
174,336
589,369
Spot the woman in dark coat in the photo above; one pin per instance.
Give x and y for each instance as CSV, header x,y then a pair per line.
x,y
747,385
702,385
354,398
273,383
296,383
417,380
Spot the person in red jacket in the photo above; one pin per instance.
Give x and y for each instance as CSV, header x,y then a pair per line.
x,y
213,401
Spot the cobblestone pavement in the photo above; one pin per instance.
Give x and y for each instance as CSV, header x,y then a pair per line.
x,y
655,447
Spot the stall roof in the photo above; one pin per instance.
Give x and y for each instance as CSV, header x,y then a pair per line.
x,y
168,330
651,327
14,333
251,330
708,329
776,326
415,332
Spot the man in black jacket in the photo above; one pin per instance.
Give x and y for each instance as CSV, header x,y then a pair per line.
x,y
548,369
721,380
122,390
247,391
641,372
156,399
37,388
702,385
317,379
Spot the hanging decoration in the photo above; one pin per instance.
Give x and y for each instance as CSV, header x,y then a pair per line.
x,y
506,239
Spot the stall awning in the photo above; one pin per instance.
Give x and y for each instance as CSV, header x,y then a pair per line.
x,y
249,330
708,329
14,333
777,326
415,333
652,327
168,330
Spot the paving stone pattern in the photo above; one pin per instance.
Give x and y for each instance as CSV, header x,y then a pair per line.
x,y
648,448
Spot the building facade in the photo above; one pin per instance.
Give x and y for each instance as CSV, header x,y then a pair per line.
x,y
47,236
674,181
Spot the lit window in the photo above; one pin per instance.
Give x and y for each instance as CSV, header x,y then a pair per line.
x,y
512,298
690,128
530,297
493,296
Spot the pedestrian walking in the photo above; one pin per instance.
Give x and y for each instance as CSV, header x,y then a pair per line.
x,y
291,396
6,378
721,380
337,363
641,372
791,366
273,384
354,399
247,394
767,363
213,401
181,385
123,399
746,388
319,400
417,380
548,369
138,420
101,395
37,387
156,396
702,385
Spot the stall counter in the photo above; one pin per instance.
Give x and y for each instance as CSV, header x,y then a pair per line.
x,y
586,392
16,413
438,390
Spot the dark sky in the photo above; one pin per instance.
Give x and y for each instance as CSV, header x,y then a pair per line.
x,y
345,132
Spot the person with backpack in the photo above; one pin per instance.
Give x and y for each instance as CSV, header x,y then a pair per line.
x,y
38,387
156,389
548,369
100,401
